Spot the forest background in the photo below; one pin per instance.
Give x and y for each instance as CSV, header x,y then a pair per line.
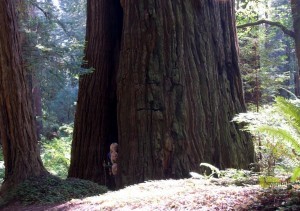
x,y
54,54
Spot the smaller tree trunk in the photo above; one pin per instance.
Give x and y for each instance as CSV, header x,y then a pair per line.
x,y
17,128
37,106
27,13
297,83
295,4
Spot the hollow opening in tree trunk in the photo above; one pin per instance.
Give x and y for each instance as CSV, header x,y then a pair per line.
x,y
112,124
112,107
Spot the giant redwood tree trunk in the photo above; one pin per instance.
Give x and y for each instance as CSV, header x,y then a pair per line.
x,y
179,86
95,119
17,128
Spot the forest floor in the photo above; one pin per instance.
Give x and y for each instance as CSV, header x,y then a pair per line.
x,y
184,194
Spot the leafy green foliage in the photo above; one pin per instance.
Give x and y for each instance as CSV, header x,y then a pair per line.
x,y
230,176
268,181
296,174
290,132
56,156
62,106
50,189
237,174
283,134
277,129
267,55
53,52
56,152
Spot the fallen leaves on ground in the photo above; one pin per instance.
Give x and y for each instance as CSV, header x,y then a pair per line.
x,y
185,194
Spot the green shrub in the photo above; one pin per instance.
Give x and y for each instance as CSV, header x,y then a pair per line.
x,y
56,156
51,189
56,152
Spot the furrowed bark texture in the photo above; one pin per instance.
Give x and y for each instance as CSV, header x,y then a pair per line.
x,y
17,127
178,88
95,120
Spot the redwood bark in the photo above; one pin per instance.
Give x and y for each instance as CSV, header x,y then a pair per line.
x,y
95,119
17,127
179,86
176,84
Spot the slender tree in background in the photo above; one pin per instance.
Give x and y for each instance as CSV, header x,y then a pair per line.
x,y
17,128
26,15
295,4
177,84
294,34
52,47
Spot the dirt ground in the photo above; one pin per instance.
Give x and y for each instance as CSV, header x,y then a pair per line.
x,y
184,194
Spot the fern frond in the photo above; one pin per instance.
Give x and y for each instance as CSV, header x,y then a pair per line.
x,y
296,174
290,111
281,133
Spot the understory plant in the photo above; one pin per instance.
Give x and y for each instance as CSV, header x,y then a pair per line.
x,y
51,189
276,131
56,152
229,176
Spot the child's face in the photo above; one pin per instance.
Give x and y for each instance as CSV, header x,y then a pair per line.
x,y
113,147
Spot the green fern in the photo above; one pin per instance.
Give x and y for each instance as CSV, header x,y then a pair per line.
x,y
268,181
296,174
282,134
291,114
290,111
277,129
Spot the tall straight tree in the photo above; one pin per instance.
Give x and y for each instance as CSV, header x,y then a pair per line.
x,y
295,5
17,127
177,83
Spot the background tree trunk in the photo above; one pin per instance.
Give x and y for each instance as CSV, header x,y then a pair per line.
x,y
95,120
295,5
179,86
26,13
17,128
37,107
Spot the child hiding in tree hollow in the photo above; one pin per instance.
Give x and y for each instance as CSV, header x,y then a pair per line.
x,y
111,166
